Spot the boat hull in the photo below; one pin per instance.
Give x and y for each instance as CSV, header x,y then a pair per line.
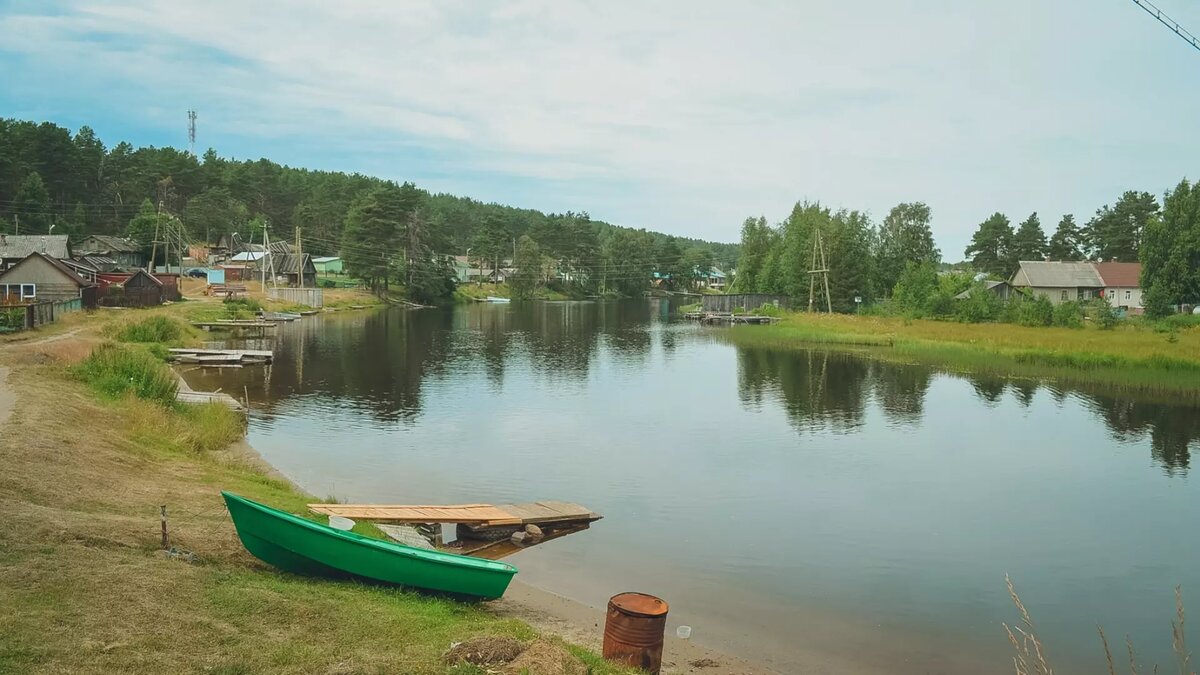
x,y
302,546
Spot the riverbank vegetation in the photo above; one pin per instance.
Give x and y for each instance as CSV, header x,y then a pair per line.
x,y
94,446
1138,356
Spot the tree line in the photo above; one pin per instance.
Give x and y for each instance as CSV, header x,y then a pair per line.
x,y
387,232
898,259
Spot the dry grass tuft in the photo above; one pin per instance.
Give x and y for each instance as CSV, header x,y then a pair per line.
x,y
544,657
485,650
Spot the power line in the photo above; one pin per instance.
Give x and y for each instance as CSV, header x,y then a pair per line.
x,y
1167,21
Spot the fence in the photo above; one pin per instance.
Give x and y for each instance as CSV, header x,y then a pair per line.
x,y
31,315
313,297
745,301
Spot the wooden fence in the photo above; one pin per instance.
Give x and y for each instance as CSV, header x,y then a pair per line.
x,y
313,297
28,316
743,301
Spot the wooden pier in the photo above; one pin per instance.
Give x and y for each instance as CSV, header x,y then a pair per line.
x,y
222,356
478,515
716,318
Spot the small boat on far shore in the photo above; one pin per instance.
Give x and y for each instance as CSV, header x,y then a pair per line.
x,y
492,298
303,546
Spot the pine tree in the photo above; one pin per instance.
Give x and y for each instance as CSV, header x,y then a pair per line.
x,y
32,205
1067,242
1029,242
990,249
1170,254
1115,233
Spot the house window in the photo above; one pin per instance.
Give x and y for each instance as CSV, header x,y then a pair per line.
x,y
28,291
1065,296
1128,294
17,292
1112,293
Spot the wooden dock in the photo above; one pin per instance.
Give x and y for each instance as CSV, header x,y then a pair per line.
x,y
479,515
726,317
222,356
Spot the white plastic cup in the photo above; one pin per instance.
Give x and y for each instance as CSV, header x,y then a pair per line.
x,y
340,523
683,632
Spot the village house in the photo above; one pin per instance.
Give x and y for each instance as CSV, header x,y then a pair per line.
x,y
126,252
328,265
1122,284
1058,282
16,247
41,278
139,289
285,267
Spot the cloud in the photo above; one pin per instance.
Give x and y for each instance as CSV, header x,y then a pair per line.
x,y
682,116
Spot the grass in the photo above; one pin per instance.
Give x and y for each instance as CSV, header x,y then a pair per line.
x,y
471,292
1132,356
1030,658
115,371
158,328
86,589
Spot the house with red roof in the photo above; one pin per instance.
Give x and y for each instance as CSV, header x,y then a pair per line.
x,y
1122,284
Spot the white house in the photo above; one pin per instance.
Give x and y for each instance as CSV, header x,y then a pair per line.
x,y
1122,284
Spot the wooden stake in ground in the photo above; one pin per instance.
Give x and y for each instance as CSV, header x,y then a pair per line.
x,y
162,510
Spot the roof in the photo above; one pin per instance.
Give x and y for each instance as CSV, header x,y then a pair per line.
x,y
21,245
988,284
1041,274
110,243
1120,274
325,259
248,256
54,262
286,263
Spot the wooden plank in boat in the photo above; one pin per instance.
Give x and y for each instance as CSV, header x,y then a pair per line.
x,y
396,513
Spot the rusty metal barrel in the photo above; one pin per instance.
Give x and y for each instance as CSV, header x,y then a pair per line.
x,y
633,631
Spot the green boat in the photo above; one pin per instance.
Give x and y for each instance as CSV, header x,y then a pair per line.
x,y
302,546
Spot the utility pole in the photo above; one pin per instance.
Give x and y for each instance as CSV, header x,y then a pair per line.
x,y
17,220
266,247
299,261
154,245
823,270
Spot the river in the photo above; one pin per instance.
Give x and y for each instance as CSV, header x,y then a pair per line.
x,y
792,506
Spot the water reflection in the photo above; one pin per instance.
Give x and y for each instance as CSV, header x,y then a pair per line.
x,y
381,363
831,391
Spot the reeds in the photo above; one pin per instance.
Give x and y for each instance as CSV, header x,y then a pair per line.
x,y
152,329
1030,656
115,371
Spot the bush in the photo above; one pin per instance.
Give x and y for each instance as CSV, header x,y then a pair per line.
x,y
152,329
1068,315
115,370
327,283
980,306
209,427
1038,311
1105,314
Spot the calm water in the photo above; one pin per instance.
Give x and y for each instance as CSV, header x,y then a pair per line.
x,y
786,503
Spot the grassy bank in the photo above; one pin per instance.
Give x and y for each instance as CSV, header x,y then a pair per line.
x,y
1143,357
476,292
93,447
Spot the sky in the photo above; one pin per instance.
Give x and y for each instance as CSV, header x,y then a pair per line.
x,y
679,116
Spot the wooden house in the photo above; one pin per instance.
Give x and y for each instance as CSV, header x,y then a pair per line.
x,y
16,247
1058,281
127,253
41,278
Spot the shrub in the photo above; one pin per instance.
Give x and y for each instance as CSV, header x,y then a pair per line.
x,y
1068,315
115,370
152,329
980,306
1105,314
1036,312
